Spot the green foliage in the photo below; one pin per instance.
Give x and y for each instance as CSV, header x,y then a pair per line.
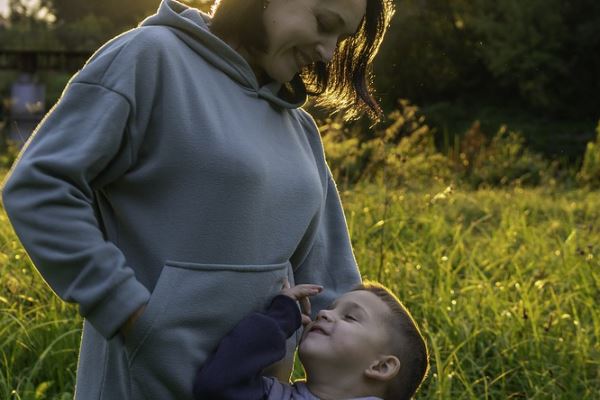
x,y
344,155
8,153
427,54
589,174
87,32
504,161
121,13
504,284
39,333
404,154
75,25
27,34
523,51
521,44
554,137
538,53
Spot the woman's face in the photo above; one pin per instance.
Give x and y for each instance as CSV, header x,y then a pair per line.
x,y
301,32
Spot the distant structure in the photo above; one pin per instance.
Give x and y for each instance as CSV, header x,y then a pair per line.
x,y
25,104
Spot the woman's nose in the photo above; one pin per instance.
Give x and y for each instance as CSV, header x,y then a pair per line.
x,y
326,48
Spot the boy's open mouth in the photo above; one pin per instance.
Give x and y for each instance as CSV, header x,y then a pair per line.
x,y
318,329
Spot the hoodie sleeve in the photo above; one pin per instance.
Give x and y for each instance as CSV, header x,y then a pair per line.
x,y
326,258
234,370
84,142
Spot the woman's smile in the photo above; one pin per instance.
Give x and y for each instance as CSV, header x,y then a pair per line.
x,y
301,32
301,59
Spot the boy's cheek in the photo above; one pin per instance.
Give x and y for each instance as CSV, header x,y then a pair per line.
x,y
302,342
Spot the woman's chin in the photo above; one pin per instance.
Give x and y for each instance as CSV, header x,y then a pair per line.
x,y
282,75
284,79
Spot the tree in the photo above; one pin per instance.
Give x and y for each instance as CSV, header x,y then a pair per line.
x,y
21,10
85,25
521,45
540,53
428,53
28,27
120,13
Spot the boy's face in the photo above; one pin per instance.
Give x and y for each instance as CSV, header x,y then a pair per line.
x,y
350,334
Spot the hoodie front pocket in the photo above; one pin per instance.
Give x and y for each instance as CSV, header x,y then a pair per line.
x,y
191,308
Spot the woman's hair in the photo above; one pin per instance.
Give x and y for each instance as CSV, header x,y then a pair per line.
x,y
406,343
345,83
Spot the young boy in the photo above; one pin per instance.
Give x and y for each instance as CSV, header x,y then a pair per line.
x,y
364,346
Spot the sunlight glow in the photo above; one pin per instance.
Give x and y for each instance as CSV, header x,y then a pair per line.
x,y
4,8
33,7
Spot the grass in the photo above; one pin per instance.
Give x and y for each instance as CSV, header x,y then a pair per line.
x,y
504,283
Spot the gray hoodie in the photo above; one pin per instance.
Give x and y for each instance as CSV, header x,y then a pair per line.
x,y
166,175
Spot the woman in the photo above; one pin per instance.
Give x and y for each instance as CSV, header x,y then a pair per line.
x,y
177,183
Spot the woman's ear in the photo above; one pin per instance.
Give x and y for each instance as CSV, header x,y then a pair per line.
x,y
384,368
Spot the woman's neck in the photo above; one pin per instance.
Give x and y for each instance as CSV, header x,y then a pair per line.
x,y
261,76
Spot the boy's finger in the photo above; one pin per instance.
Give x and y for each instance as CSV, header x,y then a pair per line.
x,y
306,290
305,305
306,320
286,283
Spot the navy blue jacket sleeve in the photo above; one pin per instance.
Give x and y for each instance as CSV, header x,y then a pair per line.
x,y
233,371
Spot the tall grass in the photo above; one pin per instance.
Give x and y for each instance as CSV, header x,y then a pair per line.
x,y
504,283
39,333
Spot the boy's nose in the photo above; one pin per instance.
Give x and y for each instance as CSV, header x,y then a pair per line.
x,y
324,314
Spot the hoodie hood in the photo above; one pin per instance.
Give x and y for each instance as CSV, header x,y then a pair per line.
x,y
191,26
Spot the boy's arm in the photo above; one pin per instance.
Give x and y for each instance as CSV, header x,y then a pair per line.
x,y
234,370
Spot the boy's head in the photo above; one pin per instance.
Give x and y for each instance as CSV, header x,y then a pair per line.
x,y
367,341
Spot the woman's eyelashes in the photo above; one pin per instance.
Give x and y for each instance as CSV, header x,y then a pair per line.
x,y
322,26
326,28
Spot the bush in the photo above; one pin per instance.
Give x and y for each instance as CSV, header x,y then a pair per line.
x,y
8,153
589,174
344,155
404,154
504,161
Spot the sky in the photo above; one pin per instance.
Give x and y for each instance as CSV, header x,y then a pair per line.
x,y
4,5
43,14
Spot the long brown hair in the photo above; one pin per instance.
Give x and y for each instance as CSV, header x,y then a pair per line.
x,y
345,84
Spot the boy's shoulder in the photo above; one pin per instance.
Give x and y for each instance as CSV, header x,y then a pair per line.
x,y
276,390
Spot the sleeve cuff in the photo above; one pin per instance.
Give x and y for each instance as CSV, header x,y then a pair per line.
x,y
286,313
124,300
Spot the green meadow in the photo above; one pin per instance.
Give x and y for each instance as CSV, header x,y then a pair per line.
x,y
484,219
505,284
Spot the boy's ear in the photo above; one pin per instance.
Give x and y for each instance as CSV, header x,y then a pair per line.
x,y
384,368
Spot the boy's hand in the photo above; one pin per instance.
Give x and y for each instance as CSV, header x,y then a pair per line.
x,y
301,293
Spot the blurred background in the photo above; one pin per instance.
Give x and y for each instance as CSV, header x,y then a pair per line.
x,y
531,65
476,200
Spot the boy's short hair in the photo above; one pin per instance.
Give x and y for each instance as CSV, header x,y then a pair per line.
x,y
406,343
